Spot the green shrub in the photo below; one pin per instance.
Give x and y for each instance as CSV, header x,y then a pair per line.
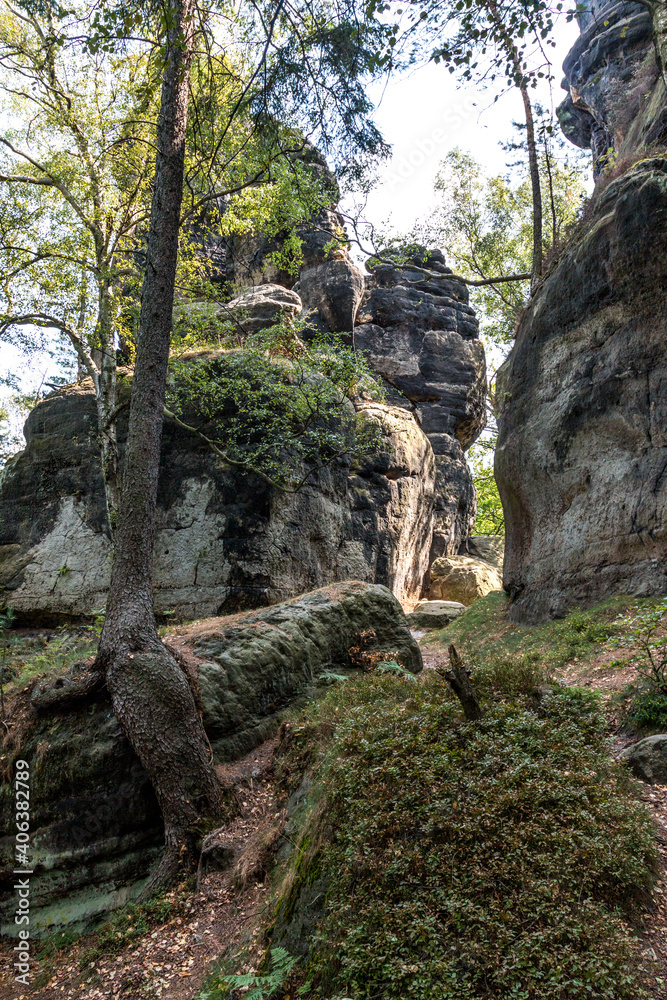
x,y
648,710
493,860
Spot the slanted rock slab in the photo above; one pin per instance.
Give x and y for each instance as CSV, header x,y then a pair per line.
x,y
648,759
462,578
254,664
435,614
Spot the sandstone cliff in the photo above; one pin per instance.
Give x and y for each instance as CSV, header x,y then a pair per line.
x,y
582,448
225,539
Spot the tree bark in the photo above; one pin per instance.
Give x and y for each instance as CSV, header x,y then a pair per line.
x,y
534,169
533,161
151,695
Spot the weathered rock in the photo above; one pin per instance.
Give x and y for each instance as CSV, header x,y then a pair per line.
x,y
331,293
260,307
252,665
224,541
95,824
648,759
462,578
435,614
490,548
582,446
420,334
615,100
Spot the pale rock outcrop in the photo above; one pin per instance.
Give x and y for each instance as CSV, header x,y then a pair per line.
x,y
435,614
223,541
462,578
260,307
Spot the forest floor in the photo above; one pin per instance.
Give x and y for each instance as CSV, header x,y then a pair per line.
x,y
172,953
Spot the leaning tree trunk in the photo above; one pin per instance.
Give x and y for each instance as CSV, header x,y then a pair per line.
x,y
534,168
151,695
533,161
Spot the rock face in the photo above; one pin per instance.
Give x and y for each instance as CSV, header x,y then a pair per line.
x,y
462,578
615,102
648,759
420,334
226,540
582,449
96,827
223,541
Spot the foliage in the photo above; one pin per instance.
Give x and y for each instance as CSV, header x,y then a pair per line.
x,y
484,225
498,859
252,985
644,630
278,407
490,519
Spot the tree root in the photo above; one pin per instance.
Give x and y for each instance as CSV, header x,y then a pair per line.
x,y
68,689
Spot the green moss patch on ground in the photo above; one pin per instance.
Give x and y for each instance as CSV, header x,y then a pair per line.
x,y
483,631
456,860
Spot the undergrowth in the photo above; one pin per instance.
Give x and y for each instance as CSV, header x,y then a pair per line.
x,y
499,859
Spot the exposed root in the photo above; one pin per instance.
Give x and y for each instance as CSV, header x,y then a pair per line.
x,y
64,691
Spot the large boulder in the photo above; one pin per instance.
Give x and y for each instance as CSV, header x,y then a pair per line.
x,y
260,307
582,442
224,540
95,827
462,578
253,664
435,614
490,548
648,759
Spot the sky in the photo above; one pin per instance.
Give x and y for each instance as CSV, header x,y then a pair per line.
x,y
427,113
422,115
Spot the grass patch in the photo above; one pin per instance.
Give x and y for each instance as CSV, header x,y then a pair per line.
x,y
25,659
483,631
503,859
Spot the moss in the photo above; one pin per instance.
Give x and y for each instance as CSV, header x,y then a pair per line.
x,y
452,860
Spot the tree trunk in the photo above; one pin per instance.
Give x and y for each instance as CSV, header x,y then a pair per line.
x,y
106,410
534,168
533,161
151,695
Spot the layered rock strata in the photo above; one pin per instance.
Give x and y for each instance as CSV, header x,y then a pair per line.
x,y
226,540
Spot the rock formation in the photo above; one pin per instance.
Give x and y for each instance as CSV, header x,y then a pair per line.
x,y
226,540
582,449
96,827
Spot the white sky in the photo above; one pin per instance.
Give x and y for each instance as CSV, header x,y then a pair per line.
x,y
422,116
